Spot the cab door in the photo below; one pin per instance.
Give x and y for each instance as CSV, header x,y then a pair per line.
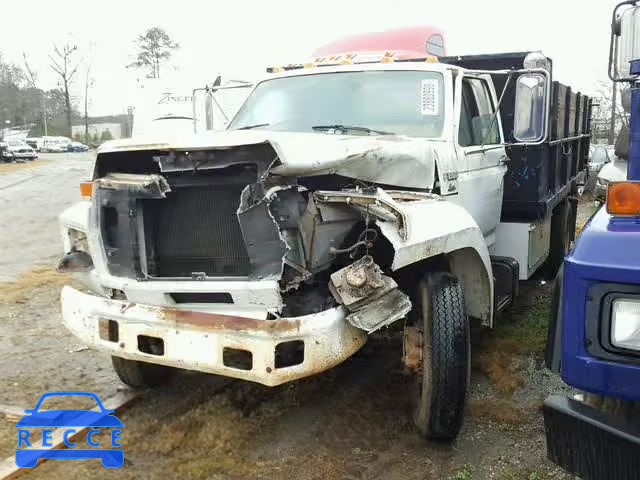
x,y
480,152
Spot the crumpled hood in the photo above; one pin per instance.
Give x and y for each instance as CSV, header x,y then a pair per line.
x,y
390,160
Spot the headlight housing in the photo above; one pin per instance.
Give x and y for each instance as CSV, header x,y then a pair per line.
x,y
602,181
625,323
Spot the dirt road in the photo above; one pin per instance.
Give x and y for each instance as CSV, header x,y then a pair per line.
x,y
351,422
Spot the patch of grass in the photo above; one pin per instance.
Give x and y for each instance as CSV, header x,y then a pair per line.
x,y
20,290
498,411
14,167
464,473
523,474
522,331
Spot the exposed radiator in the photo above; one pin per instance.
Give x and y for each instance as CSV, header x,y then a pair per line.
x,y
195,230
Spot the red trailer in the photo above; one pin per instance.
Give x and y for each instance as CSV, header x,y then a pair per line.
x,y
405,42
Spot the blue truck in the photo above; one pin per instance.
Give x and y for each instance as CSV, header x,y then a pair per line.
x,y
594,334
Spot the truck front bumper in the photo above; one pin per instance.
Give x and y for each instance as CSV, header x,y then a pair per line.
x,y
590,443
200,341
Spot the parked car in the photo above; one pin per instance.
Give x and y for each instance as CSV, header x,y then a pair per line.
x,y
5,153
600,156
77,147
615,171
34,143
20,150
53,147
55,144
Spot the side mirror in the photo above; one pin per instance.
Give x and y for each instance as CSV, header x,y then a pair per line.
x,y
531,104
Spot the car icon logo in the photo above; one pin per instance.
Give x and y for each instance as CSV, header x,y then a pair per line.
x,y
37,446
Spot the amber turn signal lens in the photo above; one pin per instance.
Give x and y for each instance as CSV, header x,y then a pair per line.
x,y
86,189
623,198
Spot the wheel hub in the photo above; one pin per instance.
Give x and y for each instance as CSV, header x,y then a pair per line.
x,y
412,349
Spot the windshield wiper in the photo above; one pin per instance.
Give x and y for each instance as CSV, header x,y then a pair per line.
x,y
249,127
351,127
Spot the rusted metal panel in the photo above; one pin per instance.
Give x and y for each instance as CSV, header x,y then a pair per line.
x,y
372,298
196,341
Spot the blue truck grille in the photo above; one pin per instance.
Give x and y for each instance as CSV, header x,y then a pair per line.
x,y
590,443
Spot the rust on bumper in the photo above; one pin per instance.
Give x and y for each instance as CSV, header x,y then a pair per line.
x,y
198,341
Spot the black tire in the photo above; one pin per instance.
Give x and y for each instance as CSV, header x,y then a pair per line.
x,y
562,234
140,374
441,385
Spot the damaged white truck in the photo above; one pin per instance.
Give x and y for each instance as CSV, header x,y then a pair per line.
x,y
343,198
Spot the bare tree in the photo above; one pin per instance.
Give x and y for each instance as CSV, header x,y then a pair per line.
x,y
607,115
154,47
32,79
88,83
63,62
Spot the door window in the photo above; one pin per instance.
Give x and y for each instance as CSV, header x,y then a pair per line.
x,y
477,125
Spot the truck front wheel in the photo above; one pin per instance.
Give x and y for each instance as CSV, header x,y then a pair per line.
x,y
443,374
140,374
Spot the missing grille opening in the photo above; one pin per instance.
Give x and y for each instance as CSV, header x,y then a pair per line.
x,y
150,345
110,218
236,358
108,330
204,297
289,354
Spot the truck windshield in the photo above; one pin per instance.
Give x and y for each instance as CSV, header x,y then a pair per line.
x,y
398,102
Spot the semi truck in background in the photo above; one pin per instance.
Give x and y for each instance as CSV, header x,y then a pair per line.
x,y
594,335
169,106
411,42
356,193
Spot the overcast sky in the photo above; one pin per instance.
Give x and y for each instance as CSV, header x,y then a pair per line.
x,y
239,38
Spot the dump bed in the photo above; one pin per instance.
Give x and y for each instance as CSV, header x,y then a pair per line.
x,y
538,177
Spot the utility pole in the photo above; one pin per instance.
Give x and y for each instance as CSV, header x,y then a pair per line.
x,y
612,124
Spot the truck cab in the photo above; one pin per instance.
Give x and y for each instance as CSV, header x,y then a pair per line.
x,y
594,339
347,196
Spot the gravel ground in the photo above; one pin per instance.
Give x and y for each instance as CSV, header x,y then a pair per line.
x,y
32,195
351,422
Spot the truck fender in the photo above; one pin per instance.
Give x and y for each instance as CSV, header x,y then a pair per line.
x,y
76,217
437,227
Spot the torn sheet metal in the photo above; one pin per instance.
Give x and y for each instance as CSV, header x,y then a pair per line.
x,y
262,155
381,312
378,204
373,299
265,244
142,186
